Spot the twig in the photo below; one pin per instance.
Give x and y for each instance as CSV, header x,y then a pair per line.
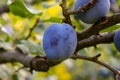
x,y
30,33
83,8
94,40
19,69
96,60
96,28
65,12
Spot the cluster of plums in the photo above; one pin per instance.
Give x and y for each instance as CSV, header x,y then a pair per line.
x,y
60,40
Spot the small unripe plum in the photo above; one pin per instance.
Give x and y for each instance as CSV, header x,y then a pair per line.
x,y
117,40
59,42
94,14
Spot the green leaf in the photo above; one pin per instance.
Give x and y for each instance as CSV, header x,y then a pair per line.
x,y
2,21
5,35
30,47
53,19
15,77
19,8
5,45
114,27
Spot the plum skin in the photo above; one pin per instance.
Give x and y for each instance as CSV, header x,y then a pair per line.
x,y
59,42
112,1
104,73
117,40
94,14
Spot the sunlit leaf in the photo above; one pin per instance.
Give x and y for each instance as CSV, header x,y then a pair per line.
x,y
53,19
114,27
5,45
2,21
30,47
19,8
8,29
4,34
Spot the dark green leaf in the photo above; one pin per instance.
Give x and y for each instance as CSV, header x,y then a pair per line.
x,y
114,27
15,77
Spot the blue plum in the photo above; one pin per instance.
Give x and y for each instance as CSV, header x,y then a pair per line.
x,y
114,6
104,73
59,42
112,1
94,14
117,40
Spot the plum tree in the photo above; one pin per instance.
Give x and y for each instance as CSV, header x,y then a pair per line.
x,y
117,39
59,41
94,14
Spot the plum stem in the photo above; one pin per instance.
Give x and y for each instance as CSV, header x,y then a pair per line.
x,y
65,12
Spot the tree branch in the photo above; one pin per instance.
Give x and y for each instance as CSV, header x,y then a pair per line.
x,y
37,63
65,12
96,28
86,38
95,59
43,64
15,56
94,40
89,36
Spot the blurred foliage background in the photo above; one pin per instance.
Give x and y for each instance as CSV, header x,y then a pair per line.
x,y
15,26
